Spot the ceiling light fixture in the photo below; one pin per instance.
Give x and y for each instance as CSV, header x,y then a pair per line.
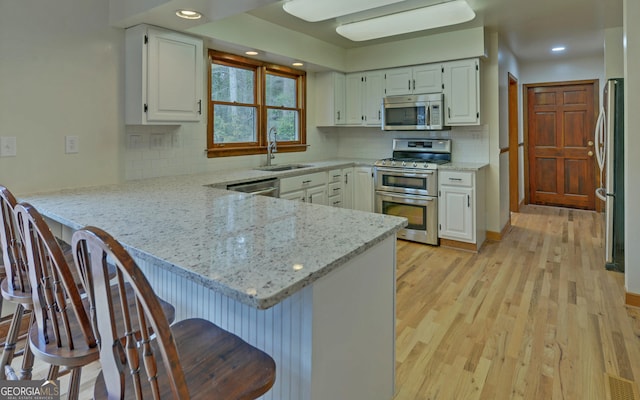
x,y
297,64
443,14
558,49
315,10
251,53
188,14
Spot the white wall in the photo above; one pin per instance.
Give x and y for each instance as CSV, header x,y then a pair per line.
x,y
565,70
632,144
490,103
61,73
613,53
507,64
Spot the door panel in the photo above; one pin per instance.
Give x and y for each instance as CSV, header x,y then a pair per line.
x,y
560,129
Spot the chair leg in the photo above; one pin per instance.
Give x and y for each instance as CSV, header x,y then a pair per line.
x,y
54,371
27,354
74,384
12,338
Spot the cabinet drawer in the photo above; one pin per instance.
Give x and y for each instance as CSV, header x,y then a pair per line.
x,y
456,178
335,175
335,201
302,181
335,188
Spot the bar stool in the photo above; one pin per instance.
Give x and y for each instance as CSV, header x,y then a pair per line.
x,y
191,359
63,304
15,286
62,335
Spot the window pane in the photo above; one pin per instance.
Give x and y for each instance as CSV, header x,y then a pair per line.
x,y
232,84
233,124
286,123
281,91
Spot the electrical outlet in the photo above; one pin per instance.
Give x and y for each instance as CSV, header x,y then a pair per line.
x,y
156,141
71,144
135,141
8,146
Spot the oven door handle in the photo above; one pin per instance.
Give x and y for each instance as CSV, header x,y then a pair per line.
x,y
425,199
400,172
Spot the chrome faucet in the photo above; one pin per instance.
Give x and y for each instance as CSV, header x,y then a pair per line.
x,y
272,147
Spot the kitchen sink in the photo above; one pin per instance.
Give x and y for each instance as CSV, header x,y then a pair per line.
x,y
283,167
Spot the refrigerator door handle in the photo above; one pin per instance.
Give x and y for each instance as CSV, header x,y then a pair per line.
x,y
599,139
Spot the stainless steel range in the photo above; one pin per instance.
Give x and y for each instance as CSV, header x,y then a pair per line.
x,y
406,185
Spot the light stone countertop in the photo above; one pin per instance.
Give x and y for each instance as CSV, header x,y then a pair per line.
x,y
240,245
463,166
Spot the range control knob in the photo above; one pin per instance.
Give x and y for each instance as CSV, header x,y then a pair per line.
x,y
404,164
426,165
415,164
393,163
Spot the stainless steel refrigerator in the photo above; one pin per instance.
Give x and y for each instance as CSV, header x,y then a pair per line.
x,y
609,145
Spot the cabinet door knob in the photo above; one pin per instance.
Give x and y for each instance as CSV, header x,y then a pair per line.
x,y
590,153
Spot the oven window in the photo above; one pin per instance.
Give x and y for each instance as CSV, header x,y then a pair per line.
x,y
417,215
404,182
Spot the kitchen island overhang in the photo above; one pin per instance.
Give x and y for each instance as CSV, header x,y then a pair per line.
x,y
313,286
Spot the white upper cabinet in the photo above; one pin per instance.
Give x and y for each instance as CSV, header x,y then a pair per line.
x,y
330,99
163,76
461,81
408,80
365,91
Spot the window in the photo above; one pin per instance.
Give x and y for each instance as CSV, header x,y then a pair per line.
x,y
248,100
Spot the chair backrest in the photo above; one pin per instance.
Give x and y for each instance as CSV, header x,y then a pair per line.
x,y
54,289
12,247
122,351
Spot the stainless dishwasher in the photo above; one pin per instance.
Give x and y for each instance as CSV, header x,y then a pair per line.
x,y
265,187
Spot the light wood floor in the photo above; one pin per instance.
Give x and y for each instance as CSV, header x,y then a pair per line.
x,y
534,316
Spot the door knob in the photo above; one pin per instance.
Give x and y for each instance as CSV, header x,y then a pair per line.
x,y
590,153
590,143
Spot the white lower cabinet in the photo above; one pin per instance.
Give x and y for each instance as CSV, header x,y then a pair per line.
x,y
310,188
461,212
350,187
347,187
363,189
340,188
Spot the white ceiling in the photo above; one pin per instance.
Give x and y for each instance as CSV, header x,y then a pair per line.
x,y
529,27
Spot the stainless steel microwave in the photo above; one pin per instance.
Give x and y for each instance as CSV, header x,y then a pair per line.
x,y
418,112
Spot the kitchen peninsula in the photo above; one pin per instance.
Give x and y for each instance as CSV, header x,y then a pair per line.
x,y
313,286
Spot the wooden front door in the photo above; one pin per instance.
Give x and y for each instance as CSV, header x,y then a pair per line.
x,y
560,144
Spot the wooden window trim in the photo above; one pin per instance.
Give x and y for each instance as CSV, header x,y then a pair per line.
x,y
262,69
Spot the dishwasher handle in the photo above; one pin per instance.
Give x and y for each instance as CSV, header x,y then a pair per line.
x,y
266,191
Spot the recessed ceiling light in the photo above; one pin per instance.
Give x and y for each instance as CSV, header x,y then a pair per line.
x,y
435,16
251,53
558,49
297,64
319,10
188,14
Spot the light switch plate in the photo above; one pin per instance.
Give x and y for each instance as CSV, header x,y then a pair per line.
x,y
71,144
8,146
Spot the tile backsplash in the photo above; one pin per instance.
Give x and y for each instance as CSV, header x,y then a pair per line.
x,y
153,151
